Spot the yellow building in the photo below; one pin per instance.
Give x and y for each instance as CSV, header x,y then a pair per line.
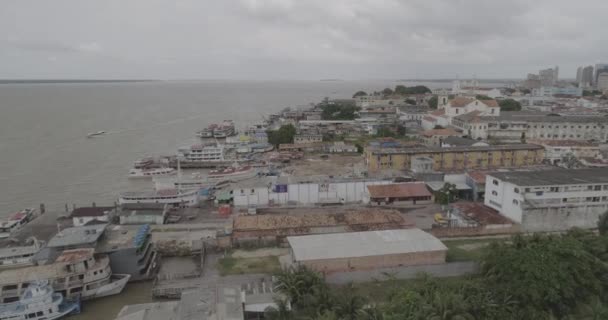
x,y
455,158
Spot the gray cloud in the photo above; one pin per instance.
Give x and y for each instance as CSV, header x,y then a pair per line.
x,y
298,39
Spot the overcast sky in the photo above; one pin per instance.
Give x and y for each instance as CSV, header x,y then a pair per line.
x,y
298,39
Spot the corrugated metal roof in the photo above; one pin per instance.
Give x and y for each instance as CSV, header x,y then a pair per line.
x,y
363,244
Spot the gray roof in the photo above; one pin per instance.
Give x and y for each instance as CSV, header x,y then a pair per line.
x,y
554,177
363,244
459,141
77,235
149,311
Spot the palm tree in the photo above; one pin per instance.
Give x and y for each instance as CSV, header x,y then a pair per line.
x,y
348,306
447,305
370,313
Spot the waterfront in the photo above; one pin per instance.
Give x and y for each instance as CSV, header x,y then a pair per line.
x,y
46,157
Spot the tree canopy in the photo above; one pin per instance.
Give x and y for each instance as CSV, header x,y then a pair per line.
x,y
338,111
359,94
403,90
433,101
285,134
387,91
482,97
509,105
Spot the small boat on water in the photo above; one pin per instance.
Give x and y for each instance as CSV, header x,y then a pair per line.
x,y
93,134
15,222
225,129
150,172
38,302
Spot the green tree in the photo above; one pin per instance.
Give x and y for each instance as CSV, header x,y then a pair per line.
x,y
410,101
338,111
447,194
403,90
384,132
349,306
570,161
509,105
387,92
433,101
482,97
360,94
438,127
285,134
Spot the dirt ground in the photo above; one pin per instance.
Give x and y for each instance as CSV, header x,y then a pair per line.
x,y
335,165
264,252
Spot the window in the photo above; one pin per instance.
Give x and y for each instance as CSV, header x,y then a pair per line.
x,y
516,190
39,314
554,189
565,200
539,193
515,202
527,189
596,188
494,193
495,182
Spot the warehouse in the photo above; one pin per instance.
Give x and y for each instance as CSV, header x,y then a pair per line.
x,y
400,193
343,252
275,227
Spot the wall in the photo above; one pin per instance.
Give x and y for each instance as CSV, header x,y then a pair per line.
x,y
81,221
500,197
441,232
453,269
374,262
562,218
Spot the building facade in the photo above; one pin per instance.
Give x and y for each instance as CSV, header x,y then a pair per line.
x,y
455,158
307,138
550,200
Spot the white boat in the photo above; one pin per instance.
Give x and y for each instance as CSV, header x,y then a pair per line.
x,y
38,302
93,134
15,222
150,172
202,153
16,257
173,197
76,274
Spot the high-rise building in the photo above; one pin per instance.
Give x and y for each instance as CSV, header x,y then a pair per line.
x,y
548,77
586,77
599,68
579,75
602,81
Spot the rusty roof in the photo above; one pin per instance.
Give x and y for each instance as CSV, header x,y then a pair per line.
x,y
459,102
287,221
478,176
490,103
399,190
480,213
75,255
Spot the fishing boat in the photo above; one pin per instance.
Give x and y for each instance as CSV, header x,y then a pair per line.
x,y
93,134
76,274
150,172
38,302
15,222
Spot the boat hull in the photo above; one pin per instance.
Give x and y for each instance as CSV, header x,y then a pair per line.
x,y
116,285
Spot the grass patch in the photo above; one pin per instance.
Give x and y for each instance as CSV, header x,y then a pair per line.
x,y
467,250
230,265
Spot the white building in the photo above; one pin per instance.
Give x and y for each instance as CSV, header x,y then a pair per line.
x,y
549,200
602,81
304,191
447,110
472,88
84,215
307,138
201,152
556,150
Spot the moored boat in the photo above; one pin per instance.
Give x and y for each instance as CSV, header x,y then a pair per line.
x,y
76,274
15,222
38,302
150,172
93,134
173,197
225,129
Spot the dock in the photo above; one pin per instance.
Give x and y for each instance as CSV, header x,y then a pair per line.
x,y
203,164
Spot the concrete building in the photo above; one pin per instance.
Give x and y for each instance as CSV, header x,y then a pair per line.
x,y
602,81
344,252
450,142
130,251
385,113
307,138
556,150
275,227
84,215
139,213
414,193
550,91
599,68
549,200
517,126
585,77
549,77
460,106
301,191
455,158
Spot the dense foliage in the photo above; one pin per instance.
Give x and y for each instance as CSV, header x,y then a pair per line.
x,y
539,277
338,111
359,94
482,97
433,101
509,105
285,134
403,90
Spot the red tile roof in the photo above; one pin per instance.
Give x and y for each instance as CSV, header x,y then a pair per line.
x,y
480,213
460,102
439,112
400,190
478,176
490,103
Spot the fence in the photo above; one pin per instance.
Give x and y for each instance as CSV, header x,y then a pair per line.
x,y
452,269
